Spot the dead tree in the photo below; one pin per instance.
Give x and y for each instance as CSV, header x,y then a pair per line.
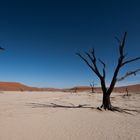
x,y
92,87
126,92
75,90
91,61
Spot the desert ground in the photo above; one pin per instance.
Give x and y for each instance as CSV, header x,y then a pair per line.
x,y
67,116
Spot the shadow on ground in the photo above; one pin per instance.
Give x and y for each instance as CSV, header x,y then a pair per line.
x,y
84,106
53,105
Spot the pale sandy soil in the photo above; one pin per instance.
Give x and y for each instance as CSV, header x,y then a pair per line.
x,y
32,116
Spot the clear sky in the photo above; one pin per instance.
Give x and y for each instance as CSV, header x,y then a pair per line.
x,y
42,37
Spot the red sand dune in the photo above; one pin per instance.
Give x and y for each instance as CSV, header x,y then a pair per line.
x,y
14,86
130,88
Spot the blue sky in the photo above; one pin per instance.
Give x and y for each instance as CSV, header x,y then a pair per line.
x,y
42,37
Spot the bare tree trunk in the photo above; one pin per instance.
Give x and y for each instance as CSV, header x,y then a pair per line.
x,y
106,103
92,89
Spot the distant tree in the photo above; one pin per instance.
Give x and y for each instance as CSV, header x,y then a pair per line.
x,y
126,91
92,85
75,90
91,61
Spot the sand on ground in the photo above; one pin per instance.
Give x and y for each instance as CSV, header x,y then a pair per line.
x,y
57,116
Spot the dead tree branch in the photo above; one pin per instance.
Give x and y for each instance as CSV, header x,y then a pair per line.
x,y
104,68
93,67
86,61
129,61
128,74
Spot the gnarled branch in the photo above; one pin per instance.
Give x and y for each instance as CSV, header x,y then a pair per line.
x,y
104,67
94,63
128,74
129,61
86,61
92,58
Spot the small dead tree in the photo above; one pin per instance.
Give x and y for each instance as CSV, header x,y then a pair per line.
x,y
91,61
75,90
126,92
92,85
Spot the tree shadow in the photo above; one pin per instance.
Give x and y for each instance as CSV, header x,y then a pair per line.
x,y
53,105
84,106
125,110
122,110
